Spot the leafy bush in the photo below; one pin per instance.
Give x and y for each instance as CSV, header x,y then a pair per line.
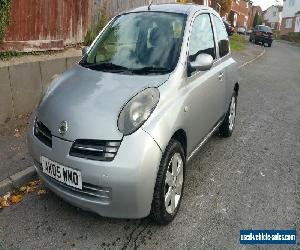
x,y
276,34
89,37
4,16
92,33
292,37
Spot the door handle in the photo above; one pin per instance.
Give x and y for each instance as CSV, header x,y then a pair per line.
x,y
221,75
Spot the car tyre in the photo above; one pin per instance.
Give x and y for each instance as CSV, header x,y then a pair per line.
x,y
169,184
227,126
270,45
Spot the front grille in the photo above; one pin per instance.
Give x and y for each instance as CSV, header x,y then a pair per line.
x,y
42,133
88,191
96,150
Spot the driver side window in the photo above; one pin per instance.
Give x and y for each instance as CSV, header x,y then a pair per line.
x,y
202,38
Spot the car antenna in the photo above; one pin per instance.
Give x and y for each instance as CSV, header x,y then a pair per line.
x,y
150,3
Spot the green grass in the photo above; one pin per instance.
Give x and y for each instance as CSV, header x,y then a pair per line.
x,y
7,55
238,42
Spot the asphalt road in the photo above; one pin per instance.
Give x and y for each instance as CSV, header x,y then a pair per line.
x,y
248,181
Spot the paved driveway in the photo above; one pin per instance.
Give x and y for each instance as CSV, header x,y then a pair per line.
x,y
247,181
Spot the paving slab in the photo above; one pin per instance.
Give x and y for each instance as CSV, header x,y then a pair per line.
x,y
26,86
6,103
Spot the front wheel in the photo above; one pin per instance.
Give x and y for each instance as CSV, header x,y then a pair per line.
x,y
269,44
169,184
227,126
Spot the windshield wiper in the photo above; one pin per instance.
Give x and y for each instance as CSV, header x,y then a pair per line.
x,y
106,67
150,70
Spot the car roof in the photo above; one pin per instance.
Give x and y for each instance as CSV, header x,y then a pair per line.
x,y
172,8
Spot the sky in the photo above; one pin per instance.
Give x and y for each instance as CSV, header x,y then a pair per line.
x,y
264,4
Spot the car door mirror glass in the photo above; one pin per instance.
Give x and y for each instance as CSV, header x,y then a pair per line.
x,y
203,62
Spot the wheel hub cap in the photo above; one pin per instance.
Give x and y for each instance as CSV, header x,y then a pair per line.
x,y
232,113
173,183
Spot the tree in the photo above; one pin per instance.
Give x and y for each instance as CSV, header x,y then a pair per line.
x,y
257,19
260,20
225,6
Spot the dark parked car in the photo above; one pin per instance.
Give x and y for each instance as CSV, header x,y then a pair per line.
x,y
262,34
229,28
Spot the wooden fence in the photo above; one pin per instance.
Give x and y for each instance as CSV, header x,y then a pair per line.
x,y
38,25
114,7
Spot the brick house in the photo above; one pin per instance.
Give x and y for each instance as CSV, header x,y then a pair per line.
x,y
239,14
273,16
290,17
212,3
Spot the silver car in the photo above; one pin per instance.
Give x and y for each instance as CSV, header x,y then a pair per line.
x,y
114,134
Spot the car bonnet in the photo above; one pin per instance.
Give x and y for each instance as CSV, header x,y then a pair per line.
x,y
89,102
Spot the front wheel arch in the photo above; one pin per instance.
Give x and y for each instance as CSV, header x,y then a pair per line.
x,y
236,89
180,136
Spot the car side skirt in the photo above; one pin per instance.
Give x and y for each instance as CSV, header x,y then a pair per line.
x,y
214,129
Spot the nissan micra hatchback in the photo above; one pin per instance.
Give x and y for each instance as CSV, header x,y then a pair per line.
x,y
113,135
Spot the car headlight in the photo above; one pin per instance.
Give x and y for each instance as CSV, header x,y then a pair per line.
x,y
137,110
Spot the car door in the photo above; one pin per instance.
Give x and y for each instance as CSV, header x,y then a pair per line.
x,y
223,64
205,88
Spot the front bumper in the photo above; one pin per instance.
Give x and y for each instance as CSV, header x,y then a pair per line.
x,y
122,188
262,39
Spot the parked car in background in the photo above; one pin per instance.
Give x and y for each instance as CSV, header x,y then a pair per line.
x,y
229,28
262,34
249,31
113,135
241,30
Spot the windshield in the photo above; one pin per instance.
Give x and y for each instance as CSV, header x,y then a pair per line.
x,y
265,29
139,43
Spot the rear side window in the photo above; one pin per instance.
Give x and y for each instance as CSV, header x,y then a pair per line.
x,y
222,37
202,38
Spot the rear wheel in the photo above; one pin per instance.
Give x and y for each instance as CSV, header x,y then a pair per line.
x,y
169,184
227,126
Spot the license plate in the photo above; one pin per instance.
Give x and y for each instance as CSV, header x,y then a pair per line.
x,y
66,175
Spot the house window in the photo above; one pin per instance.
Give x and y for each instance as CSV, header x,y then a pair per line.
x,y
288,23
297,24
291,3
205,2
247,5
274,13
237,1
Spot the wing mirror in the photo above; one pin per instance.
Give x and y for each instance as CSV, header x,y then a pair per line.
x,y
84,50
203,62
